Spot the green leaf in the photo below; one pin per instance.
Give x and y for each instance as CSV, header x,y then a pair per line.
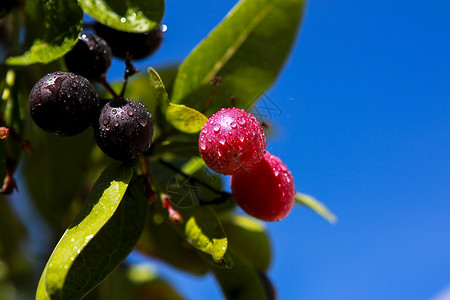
x,y
205,232
315,205
137,282
185,119
248,238
99,239
62,23
158,89
247,50
126,15
54,193
241,282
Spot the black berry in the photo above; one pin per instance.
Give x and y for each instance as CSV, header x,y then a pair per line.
x,y
138,45
63,103
124,130
90,57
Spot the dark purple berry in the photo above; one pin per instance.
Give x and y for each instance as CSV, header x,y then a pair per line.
x,y
124,130
63,103
90,57
139,45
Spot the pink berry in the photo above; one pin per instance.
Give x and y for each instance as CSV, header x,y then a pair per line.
x,y
267,192
231,140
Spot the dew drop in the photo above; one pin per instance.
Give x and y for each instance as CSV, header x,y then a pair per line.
x,y
130,113
114,111
222,140
233,125
216,128
123,19
241,122
202,145
116,124
106,120
143,121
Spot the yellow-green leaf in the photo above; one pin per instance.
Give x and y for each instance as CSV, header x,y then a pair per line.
x,y
185,119
204,231
315,205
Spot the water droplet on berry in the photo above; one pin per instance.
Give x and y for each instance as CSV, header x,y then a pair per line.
x,y
114,111
222,140
202,145
106,120
233,125
216,128
116,124
241,122
143,122
130,113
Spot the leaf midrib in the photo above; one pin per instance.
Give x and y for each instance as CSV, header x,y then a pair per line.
x,y
239,41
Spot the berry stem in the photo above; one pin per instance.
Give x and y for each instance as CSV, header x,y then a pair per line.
x,y
191,178
106,84
130,70
215,81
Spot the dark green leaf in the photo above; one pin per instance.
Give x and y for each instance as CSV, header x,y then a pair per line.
x,y
162,240
247,50
316,206
99,239
205,232
126,15
62,23
249,240
185,119
53,193
137,282
241,282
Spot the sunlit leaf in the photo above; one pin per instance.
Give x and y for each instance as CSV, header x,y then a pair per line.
x,y
315,205
99,238
125,15
62,23
204,231
246,50
185,119
158,89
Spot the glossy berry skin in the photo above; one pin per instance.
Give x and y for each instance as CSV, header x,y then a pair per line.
x,y
231,140
139,45
90,57
267,192
63,103
124,130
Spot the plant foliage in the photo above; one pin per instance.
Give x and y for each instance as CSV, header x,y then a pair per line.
x,y
167,205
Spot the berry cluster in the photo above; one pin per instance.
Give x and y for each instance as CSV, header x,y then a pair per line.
x,y
232,142
66,103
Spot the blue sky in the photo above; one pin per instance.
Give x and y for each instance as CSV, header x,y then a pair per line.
x,y
363,123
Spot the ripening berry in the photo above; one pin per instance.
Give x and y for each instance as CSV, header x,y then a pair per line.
x,y
138,45
124,130
90,57
267,192
231,140
63,103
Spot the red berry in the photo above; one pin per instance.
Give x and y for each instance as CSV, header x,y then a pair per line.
x,y
231,140
267,192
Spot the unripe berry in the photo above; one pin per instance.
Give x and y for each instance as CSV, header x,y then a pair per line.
x,y
124,130
139,45
267,192
232,139
63,103
90,57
